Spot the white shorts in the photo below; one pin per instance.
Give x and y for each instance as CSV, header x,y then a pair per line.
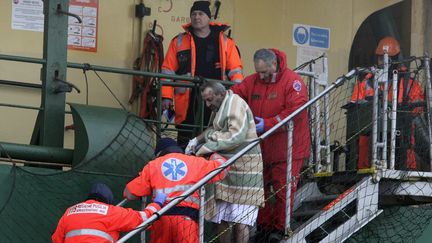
x,y
236,213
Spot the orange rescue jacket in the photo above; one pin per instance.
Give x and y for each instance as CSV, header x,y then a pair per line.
x,y
231,66
364,89
173,174
93,221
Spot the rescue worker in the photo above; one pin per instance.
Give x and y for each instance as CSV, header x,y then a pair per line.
x,y
173,172
202,50
273,93
97,220
409,92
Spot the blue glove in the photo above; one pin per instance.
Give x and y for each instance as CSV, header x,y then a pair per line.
x,y
160,199
259,125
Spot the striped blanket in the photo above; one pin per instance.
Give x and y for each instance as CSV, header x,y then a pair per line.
x,y
233,128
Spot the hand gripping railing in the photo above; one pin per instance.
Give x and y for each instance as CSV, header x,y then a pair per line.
x,y
215,172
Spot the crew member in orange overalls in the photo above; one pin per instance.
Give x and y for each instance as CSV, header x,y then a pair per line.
x,y
172,173
202,50
96,220
409,91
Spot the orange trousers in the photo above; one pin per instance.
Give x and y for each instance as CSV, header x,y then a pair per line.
x,y
173,229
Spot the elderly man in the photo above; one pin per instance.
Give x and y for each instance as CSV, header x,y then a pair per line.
x,y
202,50
236,198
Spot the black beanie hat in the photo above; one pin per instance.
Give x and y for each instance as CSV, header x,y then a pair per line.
x,y
202,6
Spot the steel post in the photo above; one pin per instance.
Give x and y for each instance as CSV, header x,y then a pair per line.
x,y
393,120
384,113
289,179
429,101
201,214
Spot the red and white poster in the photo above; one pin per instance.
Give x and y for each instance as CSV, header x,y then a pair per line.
x,y
83,36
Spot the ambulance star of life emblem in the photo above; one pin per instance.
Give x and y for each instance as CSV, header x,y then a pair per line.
x,y
174,169
297,86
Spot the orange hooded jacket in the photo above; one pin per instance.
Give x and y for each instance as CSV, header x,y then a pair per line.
x,y
183,47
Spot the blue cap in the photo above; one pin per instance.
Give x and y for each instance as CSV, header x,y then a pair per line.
x,y
101,192
164,143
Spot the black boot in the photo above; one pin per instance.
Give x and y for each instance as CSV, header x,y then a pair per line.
x,y
260,235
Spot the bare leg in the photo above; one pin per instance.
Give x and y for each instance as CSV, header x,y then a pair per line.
x,y
242,233
223,227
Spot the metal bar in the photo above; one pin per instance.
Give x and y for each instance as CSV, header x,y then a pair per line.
x,y
21,106
106,69
429,101
20,84
143,73
327,131
289,179
36,153
305,73
384,113
25,162
27,107
393,120
22,59
212,174
375,122
51,124
317,125
159,109
201,215
123,202
313,115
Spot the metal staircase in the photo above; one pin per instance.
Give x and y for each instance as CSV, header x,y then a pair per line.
x,y
335,217
343,215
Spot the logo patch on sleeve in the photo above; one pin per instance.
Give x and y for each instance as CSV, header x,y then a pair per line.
x,y
297,86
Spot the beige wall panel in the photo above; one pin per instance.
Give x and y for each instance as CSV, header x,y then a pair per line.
x,y
255,24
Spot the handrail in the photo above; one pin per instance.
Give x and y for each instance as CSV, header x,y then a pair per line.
x,y
86,66
230,161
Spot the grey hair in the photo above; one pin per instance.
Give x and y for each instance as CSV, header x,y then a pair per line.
x,y
265,55
218,88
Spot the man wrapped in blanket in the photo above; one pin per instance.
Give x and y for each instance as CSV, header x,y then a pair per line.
x,y
232,127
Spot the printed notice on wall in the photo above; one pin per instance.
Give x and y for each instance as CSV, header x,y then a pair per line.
x,y
27,15
319,67
83,36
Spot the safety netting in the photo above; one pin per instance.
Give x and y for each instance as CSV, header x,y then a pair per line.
x,y
342,188
33,198
343,191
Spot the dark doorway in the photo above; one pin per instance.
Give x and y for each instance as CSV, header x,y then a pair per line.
x,y
393,21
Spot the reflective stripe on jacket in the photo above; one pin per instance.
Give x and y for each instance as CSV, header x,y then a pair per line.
x,y
364,89
93,221
173,174
231,66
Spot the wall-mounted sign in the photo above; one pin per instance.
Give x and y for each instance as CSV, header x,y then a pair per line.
x,y
27,15
311,36
83,36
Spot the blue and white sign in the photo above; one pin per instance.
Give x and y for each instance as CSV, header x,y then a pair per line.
x,y
311,36
174,169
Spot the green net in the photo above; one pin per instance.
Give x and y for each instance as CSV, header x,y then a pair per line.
x,y
33,199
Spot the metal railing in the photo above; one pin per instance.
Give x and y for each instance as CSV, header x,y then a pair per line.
x,y
214,173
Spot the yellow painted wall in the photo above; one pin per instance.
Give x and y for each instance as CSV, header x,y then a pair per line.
x,y
255,24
